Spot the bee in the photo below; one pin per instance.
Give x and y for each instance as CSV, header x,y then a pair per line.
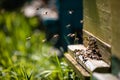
x,y
84,57
81,21
69,36
44,40
71,12
55,36
67,26
72,35
28,38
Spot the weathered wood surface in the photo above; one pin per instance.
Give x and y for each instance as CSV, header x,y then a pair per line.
x,y
115,14
99,76
94,65
97,18
91,65
81,72
105,48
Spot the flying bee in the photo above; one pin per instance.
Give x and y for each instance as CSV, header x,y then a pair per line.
x,y
81,21
28,38
67,26
69,36
72,35
55,36
44,40
71,12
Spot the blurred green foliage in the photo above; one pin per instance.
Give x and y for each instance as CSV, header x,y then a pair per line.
x,y
23,55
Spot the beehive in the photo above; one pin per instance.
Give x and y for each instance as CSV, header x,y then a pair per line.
x,y
97,23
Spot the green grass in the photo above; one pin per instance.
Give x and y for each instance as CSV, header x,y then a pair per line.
x,y
23,55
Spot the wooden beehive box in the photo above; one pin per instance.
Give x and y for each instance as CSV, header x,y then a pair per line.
x,y
91,65
97,23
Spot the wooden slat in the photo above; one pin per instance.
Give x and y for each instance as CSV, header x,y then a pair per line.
x,y
94,65
99,76
82,73
91,65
